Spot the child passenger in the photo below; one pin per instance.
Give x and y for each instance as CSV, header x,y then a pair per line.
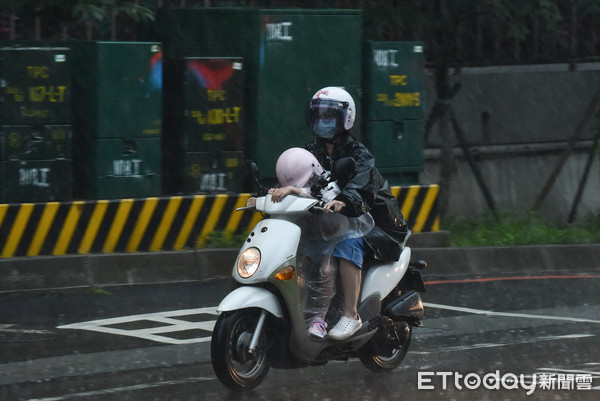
x,y
297,171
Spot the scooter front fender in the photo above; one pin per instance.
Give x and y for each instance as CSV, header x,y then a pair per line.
x,y
251,297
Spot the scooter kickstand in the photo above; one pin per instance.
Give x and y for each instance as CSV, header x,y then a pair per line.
x,y
257,331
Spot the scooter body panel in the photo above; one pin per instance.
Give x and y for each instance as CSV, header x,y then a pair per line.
x,y
381,280
251,297
267,236
290,206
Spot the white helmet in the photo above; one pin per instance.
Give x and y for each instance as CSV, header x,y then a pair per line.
x,y
296,167
330,112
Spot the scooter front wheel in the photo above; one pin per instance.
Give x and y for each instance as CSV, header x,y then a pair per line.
x,y
234,364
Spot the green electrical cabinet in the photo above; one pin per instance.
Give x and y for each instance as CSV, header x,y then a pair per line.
x,y
287,55
120,168
205,119
301,52
35,142
35,180
213,172
35,163
117,88
213,101
394,108
35,124
35,86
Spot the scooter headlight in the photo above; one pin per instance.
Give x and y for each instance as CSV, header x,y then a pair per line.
x,y
248,261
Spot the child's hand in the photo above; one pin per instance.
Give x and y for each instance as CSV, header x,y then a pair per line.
x,y
277,194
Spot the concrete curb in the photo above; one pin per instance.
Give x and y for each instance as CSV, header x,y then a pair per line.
x,y
47,272
510,260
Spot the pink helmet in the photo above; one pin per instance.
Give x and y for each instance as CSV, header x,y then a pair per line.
x,y
296,166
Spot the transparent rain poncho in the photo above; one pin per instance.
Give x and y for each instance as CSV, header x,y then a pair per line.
x,y
298,168
316,265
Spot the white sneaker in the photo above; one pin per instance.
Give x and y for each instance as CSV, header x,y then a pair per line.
x,y
345,328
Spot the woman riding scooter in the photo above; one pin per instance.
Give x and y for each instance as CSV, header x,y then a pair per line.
x,y
330,114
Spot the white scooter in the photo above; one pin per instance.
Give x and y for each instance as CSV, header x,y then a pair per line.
x,y
262,324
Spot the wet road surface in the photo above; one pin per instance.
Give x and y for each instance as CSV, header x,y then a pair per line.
x,y
152,343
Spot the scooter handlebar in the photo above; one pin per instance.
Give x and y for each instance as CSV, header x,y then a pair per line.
x,y
317,210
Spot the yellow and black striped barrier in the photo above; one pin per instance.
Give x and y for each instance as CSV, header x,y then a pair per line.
x,y
419,206
154,224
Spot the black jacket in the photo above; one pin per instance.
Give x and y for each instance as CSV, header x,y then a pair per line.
x,y
366,191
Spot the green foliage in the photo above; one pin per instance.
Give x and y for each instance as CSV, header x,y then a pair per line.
x,y
99,291
519,229
87,12
514,15
134,11
224,239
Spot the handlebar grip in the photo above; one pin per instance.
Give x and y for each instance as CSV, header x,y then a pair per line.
x,y
317,210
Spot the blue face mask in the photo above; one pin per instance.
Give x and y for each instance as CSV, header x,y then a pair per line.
x,y
325,128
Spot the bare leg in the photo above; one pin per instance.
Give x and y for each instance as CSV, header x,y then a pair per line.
x,y
350,322
350,276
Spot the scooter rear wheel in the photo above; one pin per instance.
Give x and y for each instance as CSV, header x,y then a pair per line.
x,y
235,366
388,347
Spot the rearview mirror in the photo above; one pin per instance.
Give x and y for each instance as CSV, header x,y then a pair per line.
x,y
252,171
253,168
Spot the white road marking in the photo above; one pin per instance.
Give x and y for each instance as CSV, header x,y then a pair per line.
x,y
509,314
114,390
169,323
7,328
493,345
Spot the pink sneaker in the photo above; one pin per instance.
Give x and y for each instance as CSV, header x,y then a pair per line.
x,y
318,329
